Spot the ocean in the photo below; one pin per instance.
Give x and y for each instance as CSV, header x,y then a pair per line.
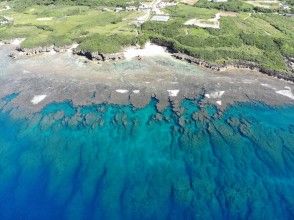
x,y
108,161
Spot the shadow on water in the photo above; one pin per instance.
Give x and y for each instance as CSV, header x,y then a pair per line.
x,y
117,162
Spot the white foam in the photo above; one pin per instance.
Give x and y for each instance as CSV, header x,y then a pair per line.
x,y
173,92
149,50
219,102
122,91
215,95
287,92
38,98
136,91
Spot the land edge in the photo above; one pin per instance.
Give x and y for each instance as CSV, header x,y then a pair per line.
x,y
97,56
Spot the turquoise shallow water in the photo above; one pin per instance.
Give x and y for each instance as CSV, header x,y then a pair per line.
x,y
114,162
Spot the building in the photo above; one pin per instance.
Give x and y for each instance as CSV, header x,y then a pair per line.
x,y
131,8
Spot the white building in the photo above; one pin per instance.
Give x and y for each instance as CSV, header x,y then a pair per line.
x,y
131,8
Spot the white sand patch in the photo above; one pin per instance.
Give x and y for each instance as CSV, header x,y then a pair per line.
x,y
26,71
287,92
147,82
7,7
267,86
52,52
174,82
173,92
17,41
205,23
214,95
136,91
149,50
38,98
44,19
219,102
122,91
74,46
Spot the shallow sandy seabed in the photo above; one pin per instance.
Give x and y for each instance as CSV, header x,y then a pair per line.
x,y
63,76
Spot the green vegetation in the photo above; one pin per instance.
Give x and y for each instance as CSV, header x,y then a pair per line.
x,y
63,25
263,38
106,43
186,12
231,5
22,4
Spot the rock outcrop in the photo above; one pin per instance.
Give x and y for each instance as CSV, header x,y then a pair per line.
x,y
99,56
237,64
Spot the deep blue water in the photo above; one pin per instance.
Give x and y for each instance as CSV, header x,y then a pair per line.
x,y
116,162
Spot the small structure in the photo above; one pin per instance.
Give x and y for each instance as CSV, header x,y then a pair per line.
x,y
131,8
118,9
162,18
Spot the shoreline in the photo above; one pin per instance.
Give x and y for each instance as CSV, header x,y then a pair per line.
x,y
102,57
55,77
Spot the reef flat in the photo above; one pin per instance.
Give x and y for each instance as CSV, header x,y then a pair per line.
x,y
55,77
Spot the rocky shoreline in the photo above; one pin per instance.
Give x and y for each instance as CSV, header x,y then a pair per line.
x,y
40,80
234,65
97,56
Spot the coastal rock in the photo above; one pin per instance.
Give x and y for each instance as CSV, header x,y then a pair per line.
x,y
99,56
232,65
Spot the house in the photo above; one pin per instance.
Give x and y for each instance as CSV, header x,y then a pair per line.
x,y
131,8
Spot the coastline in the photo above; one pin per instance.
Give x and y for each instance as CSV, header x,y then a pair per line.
x,y
53,77
101,57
